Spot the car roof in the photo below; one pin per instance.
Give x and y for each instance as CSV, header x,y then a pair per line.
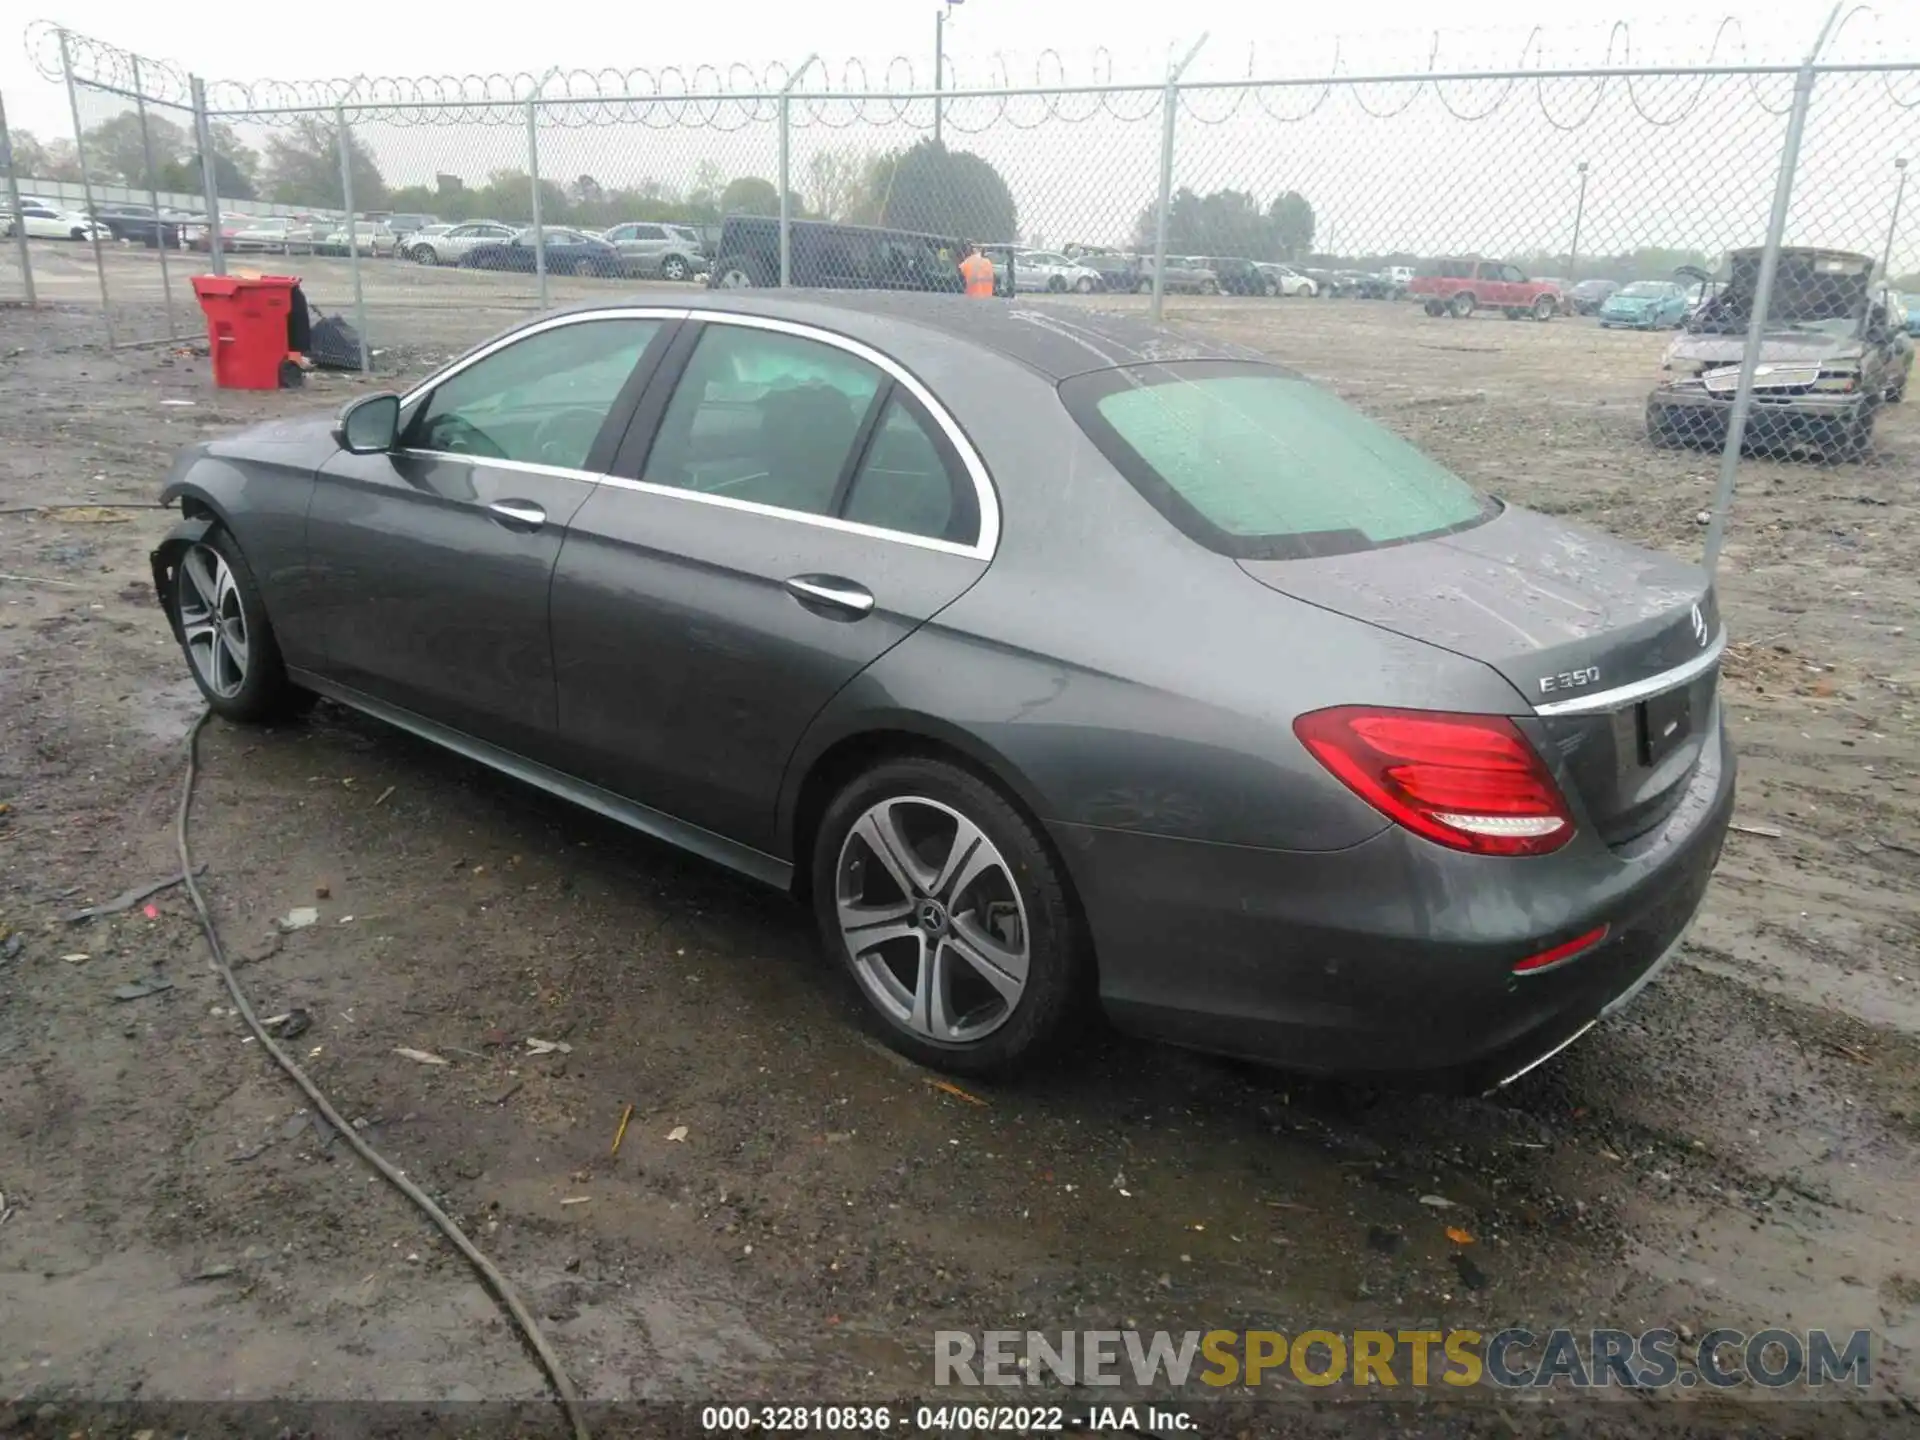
x,y
1055,340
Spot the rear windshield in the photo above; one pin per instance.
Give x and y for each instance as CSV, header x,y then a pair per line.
x,y
1257,463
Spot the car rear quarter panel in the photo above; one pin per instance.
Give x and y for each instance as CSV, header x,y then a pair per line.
x,y
1116,674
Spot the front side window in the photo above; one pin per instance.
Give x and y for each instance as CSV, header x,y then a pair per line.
x,y
1254,462
541,400
764,417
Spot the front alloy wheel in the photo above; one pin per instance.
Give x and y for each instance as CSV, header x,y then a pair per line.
x,y
932,920
213,622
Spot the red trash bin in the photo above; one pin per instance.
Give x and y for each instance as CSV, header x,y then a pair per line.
x,y
246,327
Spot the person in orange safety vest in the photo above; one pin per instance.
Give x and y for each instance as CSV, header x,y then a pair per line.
x,y
977,270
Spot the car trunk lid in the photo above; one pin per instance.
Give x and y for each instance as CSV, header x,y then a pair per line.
x,y
1614,648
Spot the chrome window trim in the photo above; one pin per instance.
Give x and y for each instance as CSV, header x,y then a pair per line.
x,y
1640,689
625,312
986,498
824,522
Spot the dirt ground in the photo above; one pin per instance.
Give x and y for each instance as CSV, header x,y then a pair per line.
x,y
1740,1148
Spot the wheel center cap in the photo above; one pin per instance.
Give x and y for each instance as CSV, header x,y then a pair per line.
x,y
931,916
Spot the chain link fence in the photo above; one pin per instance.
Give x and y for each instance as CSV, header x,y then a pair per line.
x,y
1720,251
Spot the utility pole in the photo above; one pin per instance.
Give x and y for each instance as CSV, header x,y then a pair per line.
x,y
1899,194
1579,209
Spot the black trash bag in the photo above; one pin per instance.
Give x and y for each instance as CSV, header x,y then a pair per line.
x,y
328,341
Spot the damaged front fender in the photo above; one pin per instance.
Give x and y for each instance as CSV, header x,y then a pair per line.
x,y
166,560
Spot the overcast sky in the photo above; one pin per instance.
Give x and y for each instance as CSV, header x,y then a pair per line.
x,y
441,40
1386,169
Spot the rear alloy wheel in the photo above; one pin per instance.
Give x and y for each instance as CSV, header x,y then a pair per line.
x,y
425,256
1461,306
674,268
1434,308
1272,290
583,268
224,629
1210,287
1083,285
1545,308
950,914
1145,287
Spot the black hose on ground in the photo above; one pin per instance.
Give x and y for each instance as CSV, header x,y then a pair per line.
x,y
489,1273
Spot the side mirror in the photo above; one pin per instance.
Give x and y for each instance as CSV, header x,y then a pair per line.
x,y
369,425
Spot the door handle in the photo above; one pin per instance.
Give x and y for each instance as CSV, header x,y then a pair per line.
x,y
518,514
833,593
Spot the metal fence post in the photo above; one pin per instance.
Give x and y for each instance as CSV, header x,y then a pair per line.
x,y
786,170
533,176
153,195
13,207
1762,299
353,232
86,187
209,185
1170,107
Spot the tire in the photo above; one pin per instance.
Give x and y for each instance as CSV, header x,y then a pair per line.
x,y
1434,308
741,272
673,268
76,234
1145,287
1271,290
583,268
1660,429
1545,308
930,804
1210,287
1897,391
426,255
1461,306
1056,285
1852,439
1513,314
1083,286
252,686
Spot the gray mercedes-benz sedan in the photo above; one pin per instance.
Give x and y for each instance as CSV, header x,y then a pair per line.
x,y
1058,662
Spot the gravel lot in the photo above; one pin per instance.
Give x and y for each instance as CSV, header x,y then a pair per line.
x,y
1741,1148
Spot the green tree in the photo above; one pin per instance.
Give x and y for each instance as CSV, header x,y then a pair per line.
x,y
750,195
946,192
302,167
1291,222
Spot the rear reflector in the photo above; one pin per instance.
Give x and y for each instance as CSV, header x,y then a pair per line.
x,y
1469,782
1547,958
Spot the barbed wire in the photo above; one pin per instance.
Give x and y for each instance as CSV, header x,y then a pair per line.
x,y
739,95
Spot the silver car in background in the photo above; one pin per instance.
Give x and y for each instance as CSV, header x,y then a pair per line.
x,y
654,250
368,237
1046,270
452,247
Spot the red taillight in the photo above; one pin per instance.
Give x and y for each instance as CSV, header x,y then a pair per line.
x,y
1469,782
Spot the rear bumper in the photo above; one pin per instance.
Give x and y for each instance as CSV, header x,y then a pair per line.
x,y
1394,957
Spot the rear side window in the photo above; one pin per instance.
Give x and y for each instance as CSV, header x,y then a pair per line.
x,y
1257,463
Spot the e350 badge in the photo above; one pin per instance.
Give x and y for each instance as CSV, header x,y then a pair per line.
x,y
1570,680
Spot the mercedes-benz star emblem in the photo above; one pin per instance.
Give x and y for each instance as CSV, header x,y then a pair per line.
x,y
1699,625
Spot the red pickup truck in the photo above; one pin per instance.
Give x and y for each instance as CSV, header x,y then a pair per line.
x,y
1458,287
